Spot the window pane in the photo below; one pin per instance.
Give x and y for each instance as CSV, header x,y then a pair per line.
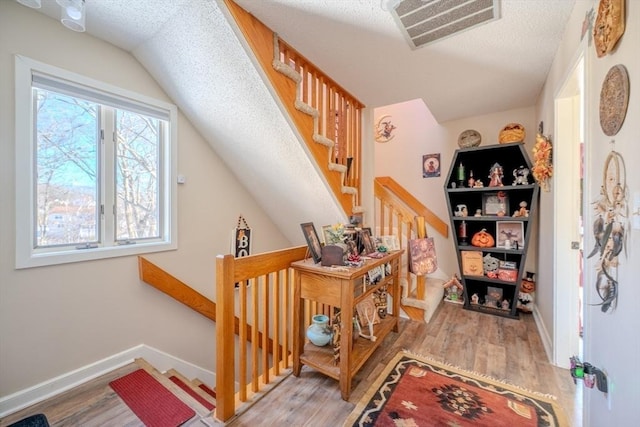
x,y
66,164
137,180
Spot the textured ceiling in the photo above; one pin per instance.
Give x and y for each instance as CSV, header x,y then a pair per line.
x,y
493,67
190,48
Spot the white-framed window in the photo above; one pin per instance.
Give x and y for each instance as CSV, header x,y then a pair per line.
x,y
96,169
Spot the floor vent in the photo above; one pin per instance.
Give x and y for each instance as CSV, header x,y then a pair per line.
x,y
426,21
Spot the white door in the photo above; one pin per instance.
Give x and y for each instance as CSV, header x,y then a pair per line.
x,y
568,258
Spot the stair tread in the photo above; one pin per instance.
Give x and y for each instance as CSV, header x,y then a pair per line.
x,y
200,409
207,400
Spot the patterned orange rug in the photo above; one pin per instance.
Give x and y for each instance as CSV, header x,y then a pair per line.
x,y
415,391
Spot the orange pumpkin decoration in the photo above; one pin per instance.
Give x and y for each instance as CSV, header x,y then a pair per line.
x,y
482,239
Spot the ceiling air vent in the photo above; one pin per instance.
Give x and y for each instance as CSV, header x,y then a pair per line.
x,y
426,21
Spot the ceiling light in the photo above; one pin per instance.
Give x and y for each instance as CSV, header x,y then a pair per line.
x,y
72,14
34,4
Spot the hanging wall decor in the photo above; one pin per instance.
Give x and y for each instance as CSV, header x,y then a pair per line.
x,y
609,26
610,229
614,99
384,129
241,243
431,165
542,165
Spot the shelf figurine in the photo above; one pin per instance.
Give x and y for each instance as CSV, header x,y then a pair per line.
x,y
522,212
495,175
520,176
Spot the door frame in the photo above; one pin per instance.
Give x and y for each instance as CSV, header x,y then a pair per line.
x,y
566,268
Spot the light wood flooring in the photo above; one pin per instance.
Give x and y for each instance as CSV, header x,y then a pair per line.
x,y
505,349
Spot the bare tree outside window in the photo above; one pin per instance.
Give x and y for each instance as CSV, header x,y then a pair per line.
x,y
67,163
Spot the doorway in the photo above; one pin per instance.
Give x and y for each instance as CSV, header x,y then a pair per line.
x,y
568,207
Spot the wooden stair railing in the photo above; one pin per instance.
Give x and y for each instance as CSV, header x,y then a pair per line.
x,y
328,118
264,297
155,276
400,213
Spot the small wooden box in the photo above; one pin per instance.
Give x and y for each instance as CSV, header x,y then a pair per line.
x,y
332,255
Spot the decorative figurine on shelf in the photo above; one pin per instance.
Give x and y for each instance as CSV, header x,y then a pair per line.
x,y
478,184
495,175
520,176
478,212
490,265
522,212
475,299
471,182
505,304
453,290
461,210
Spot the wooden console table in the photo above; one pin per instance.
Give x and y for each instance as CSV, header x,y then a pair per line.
x,y
342,288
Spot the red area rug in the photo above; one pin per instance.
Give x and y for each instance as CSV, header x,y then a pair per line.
x,y
414,391
204,402
154,404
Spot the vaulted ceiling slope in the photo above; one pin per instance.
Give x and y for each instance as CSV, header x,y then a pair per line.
x,y
190,48
493,67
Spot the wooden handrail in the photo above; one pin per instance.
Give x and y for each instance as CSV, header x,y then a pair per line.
x,y
414,204
402,214
155,276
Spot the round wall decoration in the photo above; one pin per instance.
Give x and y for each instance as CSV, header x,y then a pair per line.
x,y
384,129
609,26
469,138
614,99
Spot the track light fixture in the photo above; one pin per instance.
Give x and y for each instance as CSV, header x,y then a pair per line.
x,y
72,14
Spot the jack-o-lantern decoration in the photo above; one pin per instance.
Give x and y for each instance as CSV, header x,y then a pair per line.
x,y
527,286
483,239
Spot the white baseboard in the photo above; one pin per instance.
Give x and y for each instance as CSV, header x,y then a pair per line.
x,y
544,334
160,360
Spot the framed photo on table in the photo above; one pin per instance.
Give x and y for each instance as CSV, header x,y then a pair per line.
x,y
366,241
310,235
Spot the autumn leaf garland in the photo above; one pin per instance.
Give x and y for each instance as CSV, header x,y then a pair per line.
x,y
542,166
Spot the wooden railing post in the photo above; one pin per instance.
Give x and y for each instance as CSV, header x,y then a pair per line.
x,y
421,232
225,338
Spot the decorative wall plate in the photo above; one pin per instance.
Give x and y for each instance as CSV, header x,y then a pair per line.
x,y
614,99
609,26
384,129
469,138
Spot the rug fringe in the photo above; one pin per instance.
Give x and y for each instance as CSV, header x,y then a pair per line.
x,y
478,375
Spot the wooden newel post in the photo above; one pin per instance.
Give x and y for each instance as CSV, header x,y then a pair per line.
x,y
421,231
225,338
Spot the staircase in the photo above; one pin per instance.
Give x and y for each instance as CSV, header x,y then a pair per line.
x,y
96,403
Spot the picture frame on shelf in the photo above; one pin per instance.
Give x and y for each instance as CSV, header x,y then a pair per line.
x,y
510,234
313,242
326,236
391,242
366,241
495,204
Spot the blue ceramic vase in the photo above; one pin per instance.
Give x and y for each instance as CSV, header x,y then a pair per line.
x,y
319,332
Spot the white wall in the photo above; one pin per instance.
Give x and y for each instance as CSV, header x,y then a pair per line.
x,y
610,339
57,319
418,134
